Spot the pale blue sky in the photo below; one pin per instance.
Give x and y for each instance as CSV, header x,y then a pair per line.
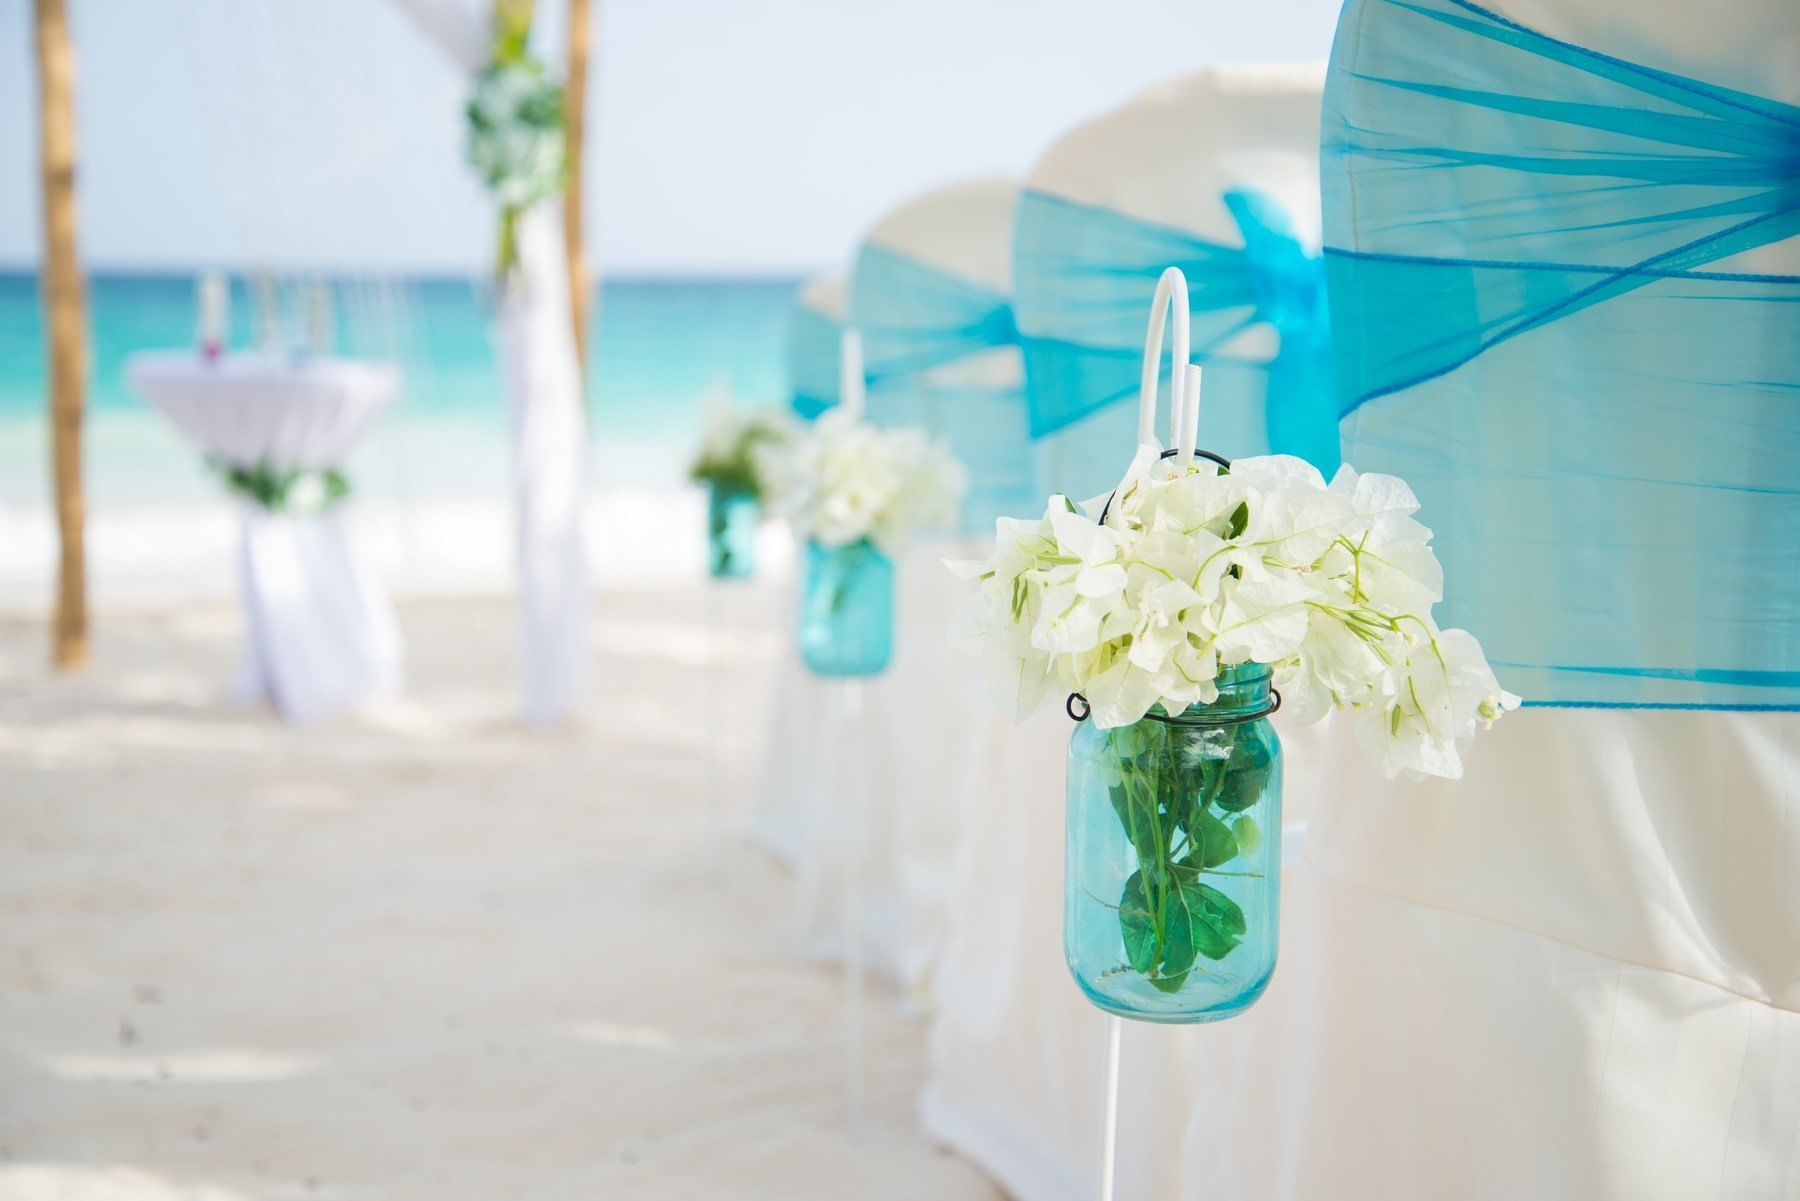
x,y
734,136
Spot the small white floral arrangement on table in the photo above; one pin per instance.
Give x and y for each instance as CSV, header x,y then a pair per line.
x,y
844,481
1140,599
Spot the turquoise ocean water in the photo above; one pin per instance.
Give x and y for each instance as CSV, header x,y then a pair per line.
x,y
658,346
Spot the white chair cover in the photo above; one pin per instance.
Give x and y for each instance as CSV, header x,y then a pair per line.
x,y
321,634
1576,973
1016,1054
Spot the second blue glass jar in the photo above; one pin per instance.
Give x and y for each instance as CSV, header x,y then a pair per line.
x,y
1173,859
730,533
847,610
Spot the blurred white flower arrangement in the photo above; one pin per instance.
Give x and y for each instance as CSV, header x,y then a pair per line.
x,y
516,140
843,481
1198,569
740,447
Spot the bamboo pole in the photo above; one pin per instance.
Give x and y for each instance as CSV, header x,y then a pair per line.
x,y
575,119
65,309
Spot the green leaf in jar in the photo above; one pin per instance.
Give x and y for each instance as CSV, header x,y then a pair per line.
x,y
1246,772
1141,951
1216,922
1214,843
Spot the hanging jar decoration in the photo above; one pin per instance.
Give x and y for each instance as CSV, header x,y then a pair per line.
x,y
731,521
1173,855
737,448
853,491
847,609
1171,612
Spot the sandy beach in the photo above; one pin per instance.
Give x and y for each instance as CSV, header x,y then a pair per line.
x,y
422,953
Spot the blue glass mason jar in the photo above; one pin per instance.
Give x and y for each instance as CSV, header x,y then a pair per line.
x,y
847,609
1173,859
730,532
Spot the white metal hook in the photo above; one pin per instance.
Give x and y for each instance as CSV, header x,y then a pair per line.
x,y
1190,415
1170,304
853,395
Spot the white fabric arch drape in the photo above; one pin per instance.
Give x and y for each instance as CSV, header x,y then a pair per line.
x,y
542,379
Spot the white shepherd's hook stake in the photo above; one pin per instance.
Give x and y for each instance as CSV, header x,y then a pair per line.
x,y
1109,1143
852,801
853,388
1169,305
853,794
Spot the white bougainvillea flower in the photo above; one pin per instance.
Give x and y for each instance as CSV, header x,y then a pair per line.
x,y
1096,569
842,481
1157,631
1196,570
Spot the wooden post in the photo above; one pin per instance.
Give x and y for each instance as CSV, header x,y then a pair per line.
x,y
65,310
575,118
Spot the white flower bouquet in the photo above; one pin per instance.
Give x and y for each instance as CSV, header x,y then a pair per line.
x,y
739,447
845,482
516,140
1140,600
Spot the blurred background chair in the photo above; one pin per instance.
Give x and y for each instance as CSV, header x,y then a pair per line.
x,y
780,819
1215,173
930,296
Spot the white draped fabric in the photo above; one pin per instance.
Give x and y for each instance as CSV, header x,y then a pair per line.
x,y
321,634
1575,973
542,377
1016,1054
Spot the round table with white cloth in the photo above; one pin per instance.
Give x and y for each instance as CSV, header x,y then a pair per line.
x,y
321,634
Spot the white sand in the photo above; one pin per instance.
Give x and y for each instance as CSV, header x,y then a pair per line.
x,y
422,955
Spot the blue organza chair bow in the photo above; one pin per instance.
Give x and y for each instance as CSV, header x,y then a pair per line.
x,y
1084,274
940,353
1563,314
814,333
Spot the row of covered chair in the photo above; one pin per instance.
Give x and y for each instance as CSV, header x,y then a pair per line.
x,y
1545,269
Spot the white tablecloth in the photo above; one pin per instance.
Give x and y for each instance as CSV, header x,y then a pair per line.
x,y
322,637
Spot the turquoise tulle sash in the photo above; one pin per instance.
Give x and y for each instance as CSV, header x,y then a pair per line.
x,y
813,340
1537,325
917,320
1084,278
